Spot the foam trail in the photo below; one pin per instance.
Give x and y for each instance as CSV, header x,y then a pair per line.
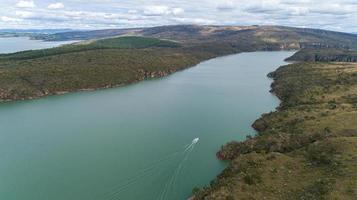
x,y
143,172
126,187
170,184
118,189
178,172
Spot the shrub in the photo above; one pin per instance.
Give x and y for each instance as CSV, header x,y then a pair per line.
x,y
318,189
252,179
322,154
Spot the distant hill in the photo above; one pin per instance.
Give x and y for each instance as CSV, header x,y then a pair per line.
x,y
278,35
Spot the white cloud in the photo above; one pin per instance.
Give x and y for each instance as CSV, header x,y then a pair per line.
x,y
97,14
157,10
225,5
177,11
26,4
55,6
195,21
24,14
10,19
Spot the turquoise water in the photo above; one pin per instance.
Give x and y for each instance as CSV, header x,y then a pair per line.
x,y
14,44
128,143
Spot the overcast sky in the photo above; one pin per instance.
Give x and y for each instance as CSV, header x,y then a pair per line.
x,y
340,15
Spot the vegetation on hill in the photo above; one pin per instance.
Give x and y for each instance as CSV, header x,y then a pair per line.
x,y
306,149
324,55
129,42
92,69
281,36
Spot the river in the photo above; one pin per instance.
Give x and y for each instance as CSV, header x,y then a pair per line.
x,y
129,143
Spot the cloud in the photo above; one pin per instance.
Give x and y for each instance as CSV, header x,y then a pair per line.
x,y
26,4
157,10
55,6
24,14
97,14
10,19
225,5
177,11
195,21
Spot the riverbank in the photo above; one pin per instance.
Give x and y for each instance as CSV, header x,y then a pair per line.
x,y
306,149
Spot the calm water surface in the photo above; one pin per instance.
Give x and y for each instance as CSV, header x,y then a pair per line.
x,y
15,44
128,143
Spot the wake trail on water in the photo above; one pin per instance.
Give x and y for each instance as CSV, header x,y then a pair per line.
x,y
118,189
172,181
150,170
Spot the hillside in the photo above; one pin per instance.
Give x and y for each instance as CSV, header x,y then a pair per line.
x,y
99,64
279,35
306,149
324,55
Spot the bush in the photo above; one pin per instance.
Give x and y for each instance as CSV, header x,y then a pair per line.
x,y
318,189
322,154
252,179
332,104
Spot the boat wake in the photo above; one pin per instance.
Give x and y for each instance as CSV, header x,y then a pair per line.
x,y
117,190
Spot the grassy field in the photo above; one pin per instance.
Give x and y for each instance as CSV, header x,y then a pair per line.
x,y
305,150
